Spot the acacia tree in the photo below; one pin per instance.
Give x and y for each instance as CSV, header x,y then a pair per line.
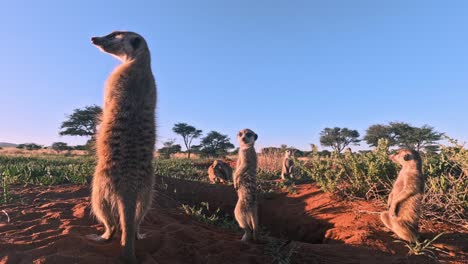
x,y
82,122
404,135
188,133
376,132
215,144
29,146
59,146
338,138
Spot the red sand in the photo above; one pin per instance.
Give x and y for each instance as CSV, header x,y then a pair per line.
x,y
48,225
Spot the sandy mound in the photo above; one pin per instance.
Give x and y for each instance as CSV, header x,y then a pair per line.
x,y
48,225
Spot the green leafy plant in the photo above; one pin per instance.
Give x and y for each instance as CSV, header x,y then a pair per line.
x,y
203,214
424,248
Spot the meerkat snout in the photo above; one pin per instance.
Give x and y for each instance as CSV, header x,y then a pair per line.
x,y
124,45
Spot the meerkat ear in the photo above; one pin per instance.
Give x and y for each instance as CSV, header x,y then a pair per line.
x,y
256,136
135,42
408,157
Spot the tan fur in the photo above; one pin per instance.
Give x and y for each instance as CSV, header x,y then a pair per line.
x,y
219,171
245,183
404,201
122,185
288,165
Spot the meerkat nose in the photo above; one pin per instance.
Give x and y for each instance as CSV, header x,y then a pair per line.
x,y
94,39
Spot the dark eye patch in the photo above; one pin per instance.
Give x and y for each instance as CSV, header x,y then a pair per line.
x,y
248,134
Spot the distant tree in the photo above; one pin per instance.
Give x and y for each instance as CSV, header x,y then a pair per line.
x,y
196,149
424,137
82,122
169,148
29,146
376,132
405,135
338,138
215,144
59,146
324,153
188,133
81,147
269,150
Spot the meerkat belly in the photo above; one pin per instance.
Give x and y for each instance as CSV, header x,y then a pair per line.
x,y
247,196
128,143
409,210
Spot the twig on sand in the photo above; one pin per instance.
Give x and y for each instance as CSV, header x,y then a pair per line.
x,y
368,212
8,217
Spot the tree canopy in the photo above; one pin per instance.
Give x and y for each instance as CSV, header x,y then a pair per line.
x,y
188,133
82,122
338,138
29,146
404,135
59,146
215,144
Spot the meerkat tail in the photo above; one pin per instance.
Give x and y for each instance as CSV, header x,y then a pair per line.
x,y
127,213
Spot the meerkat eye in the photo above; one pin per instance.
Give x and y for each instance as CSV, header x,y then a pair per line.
x,y
248,134
240,134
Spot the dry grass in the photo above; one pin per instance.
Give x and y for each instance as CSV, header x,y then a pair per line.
x,y
11,151
270,162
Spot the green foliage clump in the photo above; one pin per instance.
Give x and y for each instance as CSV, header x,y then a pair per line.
x,y
217,218
45,170
367,175
187,169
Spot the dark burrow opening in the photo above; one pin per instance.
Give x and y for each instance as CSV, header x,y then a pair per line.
x,y
280,216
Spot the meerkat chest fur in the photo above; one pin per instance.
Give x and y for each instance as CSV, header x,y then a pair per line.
x,y
411,178
127,131
246,170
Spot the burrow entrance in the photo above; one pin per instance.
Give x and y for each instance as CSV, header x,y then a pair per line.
x,y
279,216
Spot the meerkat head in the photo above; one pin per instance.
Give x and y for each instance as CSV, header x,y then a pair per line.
x,y
289,153
246,138
217,164
407,158
123,45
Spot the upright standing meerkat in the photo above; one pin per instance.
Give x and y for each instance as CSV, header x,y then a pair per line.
x,y
288,165
404,201
122,185
245,183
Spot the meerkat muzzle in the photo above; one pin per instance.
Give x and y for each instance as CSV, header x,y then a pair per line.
x,y
95,40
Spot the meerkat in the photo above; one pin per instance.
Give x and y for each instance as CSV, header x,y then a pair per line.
x,y
245,183
288,165
122,185
219,171
404,201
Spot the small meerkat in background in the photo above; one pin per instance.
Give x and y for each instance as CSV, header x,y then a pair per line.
x,y
288,165
404,201
122,185
245,183
219,171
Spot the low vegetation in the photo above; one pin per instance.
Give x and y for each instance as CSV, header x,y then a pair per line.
x,y
204,214
370,175
367,175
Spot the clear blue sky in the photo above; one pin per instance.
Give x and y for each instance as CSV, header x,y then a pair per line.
x,y
226,65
